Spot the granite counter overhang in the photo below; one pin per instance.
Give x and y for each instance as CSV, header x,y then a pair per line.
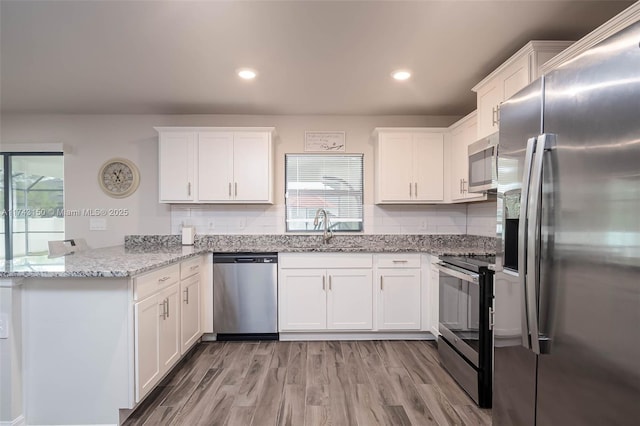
x,y
144,253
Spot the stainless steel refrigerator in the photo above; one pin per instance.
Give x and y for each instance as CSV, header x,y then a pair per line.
x,y
567,285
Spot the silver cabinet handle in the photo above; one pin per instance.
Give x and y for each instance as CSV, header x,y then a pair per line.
x,y
194,267
464,186
410,191
163,279
460,187
186,295
189,188
495,115
329,282
229,189
400,261
491,318
381,284
236,189
323,287
167,302
163,314
415,189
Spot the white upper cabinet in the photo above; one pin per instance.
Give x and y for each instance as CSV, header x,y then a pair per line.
x,y
216,165
177,166
463,133
409,165
514,74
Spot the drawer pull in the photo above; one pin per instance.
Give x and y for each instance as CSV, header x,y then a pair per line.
x,y
400,261
163,279
194,267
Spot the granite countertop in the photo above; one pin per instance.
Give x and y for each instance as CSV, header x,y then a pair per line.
x,y
103,262
142,253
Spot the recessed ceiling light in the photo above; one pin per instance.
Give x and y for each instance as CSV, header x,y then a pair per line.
x,y
401,75
247,74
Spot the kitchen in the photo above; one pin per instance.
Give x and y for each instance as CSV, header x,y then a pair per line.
x,y
94,138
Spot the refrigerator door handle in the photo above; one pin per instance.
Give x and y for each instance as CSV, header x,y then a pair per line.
x,y
545,143
522,239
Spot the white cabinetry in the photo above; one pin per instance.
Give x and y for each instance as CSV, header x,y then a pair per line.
x,y
216,165
166,325
190,290
325,292
463,133
514,74
398,286
409,165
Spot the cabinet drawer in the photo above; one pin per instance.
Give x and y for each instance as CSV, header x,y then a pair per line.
x,y
400,260
190,267
147,284
325,260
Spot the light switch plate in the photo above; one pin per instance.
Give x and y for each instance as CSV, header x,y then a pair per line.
x,y
97,224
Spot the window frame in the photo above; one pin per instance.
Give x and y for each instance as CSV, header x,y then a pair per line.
x,y
325,155
8,191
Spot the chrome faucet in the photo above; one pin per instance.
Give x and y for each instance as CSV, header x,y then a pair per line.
x,y
327,234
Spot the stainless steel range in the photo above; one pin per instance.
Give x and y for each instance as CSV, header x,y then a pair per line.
x,y
466,295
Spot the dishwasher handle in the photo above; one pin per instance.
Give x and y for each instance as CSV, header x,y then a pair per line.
x,y
248,258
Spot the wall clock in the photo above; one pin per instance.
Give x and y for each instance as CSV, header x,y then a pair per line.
x,y
119,177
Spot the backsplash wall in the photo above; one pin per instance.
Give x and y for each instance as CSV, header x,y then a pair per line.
x,y
473,219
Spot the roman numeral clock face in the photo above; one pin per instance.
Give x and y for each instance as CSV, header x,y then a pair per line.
x,y
119,178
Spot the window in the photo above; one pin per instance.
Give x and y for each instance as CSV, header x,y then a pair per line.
x,y
322,181
31,186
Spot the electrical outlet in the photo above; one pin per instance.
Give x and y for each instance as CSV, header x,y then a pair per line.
x,y
97,224
211,224
423,224
4,326
242,222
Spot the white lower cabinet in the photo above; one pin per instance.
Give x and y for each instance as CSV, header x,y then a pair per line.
x,y
398,283
190,330
336,297
349,299
166,321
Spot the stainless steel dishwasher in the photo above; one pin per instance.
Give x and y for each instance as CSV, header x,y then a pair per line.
x,y
245,296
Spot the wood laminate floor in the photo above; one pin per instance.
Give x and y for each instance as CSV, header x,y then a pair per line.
x,y
341,383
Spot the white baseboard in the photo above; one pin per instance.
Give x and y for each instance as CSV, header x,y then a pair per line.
x,y
417,335
18,421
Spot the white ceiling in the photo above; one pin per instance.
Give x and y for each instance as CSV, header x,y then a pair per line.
x,y
313,57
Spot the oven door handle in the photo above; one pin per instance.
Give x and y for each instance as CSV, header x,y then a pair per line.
x,y
466,275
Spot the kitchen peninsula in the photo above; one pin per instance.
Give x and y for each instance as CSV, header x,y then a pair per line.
x,y
92,327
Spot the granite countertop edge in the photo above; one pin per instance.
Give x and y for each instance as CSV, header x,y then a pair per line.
x,y
125,262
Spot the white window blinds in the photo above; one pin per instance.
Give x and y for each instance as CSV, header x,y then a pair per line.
x,y
323,181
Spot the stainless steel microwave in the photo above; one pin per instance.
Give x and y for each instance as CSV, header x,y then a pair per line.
x,y
483,164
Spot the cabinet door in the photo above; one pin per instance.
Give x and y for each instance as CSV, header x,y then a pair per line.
x,y
489,98
434,289
399,299
190,312
428,167
176,168
302,299
147,332
169,344
252,167
394,171
350,299
215,166
459,160
516,77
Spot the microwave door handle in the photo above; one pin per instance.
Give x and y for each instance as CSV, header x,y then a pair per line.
x,y
544,143
522,239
